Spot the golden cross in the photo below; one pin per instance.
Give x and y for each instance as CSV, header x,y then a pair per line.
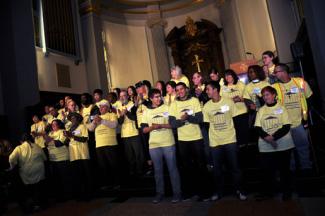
x,y
197,61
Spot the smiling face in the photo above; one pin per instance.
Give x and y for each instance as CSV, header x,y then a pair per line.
x,y
268,97
214,76
55,126
156,100
229,79
170,90
35,119
252,74
181,91
72,106
123,97
197,79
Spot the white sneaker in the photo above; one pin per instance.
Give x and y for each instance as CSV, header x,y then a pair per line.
x,y
241,196
214,197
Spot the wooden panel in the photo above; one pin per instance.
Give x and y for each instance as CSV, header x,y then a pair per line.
x,y
63,75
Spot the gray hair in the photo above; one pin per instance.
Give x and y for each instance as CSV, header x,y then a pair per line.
x,y
177,69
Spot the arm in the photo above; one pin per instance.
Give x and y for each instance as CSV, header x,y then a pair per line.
x,y
197,119
110,124
175,123
281,132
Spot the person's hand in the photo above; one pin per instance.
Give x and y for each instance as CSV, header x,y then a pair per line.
x,y
252,106
236,99
97,119
67,134
184,117
271,141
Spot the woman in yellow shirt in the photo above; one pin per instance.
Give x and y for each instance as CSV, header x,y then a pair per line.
x,y
177,76
56,144
170,93
79,155
233,89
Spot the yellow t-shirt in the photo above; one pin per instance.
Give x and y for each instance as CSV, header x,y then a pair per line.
x,y
79,150
271,69
39,127
183,79
253,89
291,96
128,128
231,91
85,112
271,119
61,116
104,135
46,117
189,131
162,137
169,99
220,116
140,111
58,153
51,119
30,159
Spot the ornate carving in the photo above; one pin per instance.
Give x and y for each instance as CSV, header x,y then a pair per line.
x,y
190,27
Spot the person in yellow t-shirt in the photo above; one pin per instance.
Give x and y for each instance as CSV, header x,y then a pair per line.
x,y
214,75
177,76
170,93
268,66
219,113
133,146
37,131
79,155
30,158
47,114
106,145
161,145
186,115
275,144
233,89
60,175
253,97
294,93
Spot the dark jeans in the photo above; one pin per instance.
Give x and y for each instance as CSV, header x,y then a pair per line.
x,y
226,155
194,173
82,178
242,129
61,179
107,158
134,153
271,162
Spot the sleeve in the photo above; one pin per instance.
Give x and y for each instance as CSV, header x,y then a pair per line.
x,y
258,119
246,93
144,119
241,87
197,119
261,132
197,106
205,114
281,132
14,157
84,131
308,92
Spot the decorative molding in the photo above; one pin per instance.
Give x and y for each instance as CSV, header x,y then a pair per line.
x,y
156,22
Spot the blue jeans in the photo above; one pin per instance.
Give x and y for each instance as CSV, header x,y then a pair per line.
x,y
157,156
226,154
301,156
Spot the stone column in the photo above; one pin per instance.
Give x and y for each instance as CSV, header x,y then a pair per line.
x,y
157,47
93,46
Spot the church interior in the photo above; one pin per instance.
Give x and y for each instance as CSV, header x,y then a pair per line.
x,y
58,48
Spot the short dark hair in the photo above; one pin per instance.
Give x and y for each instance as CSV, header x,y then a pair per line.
x,y
147,83
269,89
213,70
88,98
268,53
26,137
59,122
181,84
258,71
98,91
171,83
154,91
283,67
231,73
163,85
214,85
139,84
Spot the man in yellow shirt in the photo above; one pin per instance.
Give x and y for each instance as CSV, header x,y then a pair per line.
x,y
106,145
161,145
293,94
133,146
186,115
219,113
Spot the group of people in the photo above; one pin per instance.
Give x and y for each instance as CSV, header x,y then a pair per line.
x,y
193,128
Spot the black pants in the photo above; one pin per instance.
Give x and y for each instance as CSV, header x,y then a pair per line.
x,y
61,179
193,169
271,162
108,161
82,179
134,153
242,129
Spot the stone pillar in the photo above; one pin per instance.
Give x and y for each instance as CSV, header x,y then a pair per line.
x,y
19,80
93,46
157,47
314,14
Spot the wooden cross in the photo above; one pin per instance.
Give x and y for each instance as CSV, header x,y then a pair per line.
x,y
197,61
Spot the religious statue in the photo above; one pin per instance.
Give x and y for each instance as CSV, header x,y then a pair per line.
x,y
190,27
